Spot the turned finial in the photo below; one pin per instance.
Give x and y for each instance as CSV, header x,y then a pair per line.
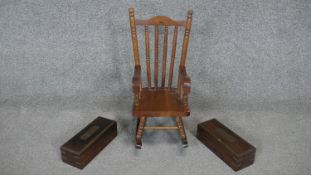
x,y
131,11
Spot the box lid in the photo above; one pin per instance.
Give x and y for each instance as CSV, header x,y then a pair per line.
x,y
231,141
87,136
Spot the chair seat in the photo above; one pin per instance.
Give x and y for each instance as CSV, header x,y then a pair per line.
x,y
160,102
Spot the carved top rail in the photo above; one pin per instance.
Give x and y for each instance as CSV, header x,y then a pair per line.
x,y
160,20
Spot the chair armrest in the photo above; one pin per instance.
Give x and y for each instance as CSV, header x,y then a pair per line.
x,y
136,80
184,81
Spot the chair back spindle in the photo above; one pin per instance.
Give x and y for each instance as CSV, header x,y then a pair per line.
x,y
173,56
148,56
156,55
164,56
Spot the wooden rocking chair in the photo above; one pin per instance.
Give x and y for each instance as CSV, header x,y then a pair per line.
x,y
160,101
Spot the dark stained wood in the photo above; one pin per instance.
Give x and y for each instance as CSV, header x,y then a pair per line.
x,y
148,56
160,20
173,57
85,145
227,145
160,101
164,56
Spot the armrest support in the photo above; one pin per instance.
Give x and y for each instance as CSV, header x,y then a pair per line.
x,y
184,82
136,80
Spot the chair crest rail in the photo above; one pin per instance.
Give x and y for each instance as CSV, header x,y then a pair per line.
x,y
160,20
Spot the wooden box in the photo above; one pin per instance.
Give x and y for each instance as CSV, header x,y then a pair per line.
x,y
228,146
85,145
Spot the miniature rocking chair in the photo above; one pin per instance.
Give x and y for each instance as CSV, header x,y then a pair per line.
x,y
160,100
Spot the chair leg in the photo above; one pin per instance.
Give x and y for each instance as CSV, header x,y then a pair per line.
x,y
139,131
182,132
137,123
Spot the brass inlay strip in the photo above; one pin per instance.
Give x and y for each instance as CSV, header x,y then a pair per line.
x,y
222,133
89,132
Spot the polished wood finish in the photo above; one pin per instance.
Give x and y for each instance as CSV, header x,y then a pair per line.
x,y
134,36
148,55
85,145
164,56
186,38
136,82
181,130
160,127
140,130
162,100
183,85
227,145
173,56
160,20
156,55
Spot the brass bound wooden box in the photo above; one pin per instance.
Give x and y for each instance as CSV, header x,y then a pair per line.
x,y
228,146
84,146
